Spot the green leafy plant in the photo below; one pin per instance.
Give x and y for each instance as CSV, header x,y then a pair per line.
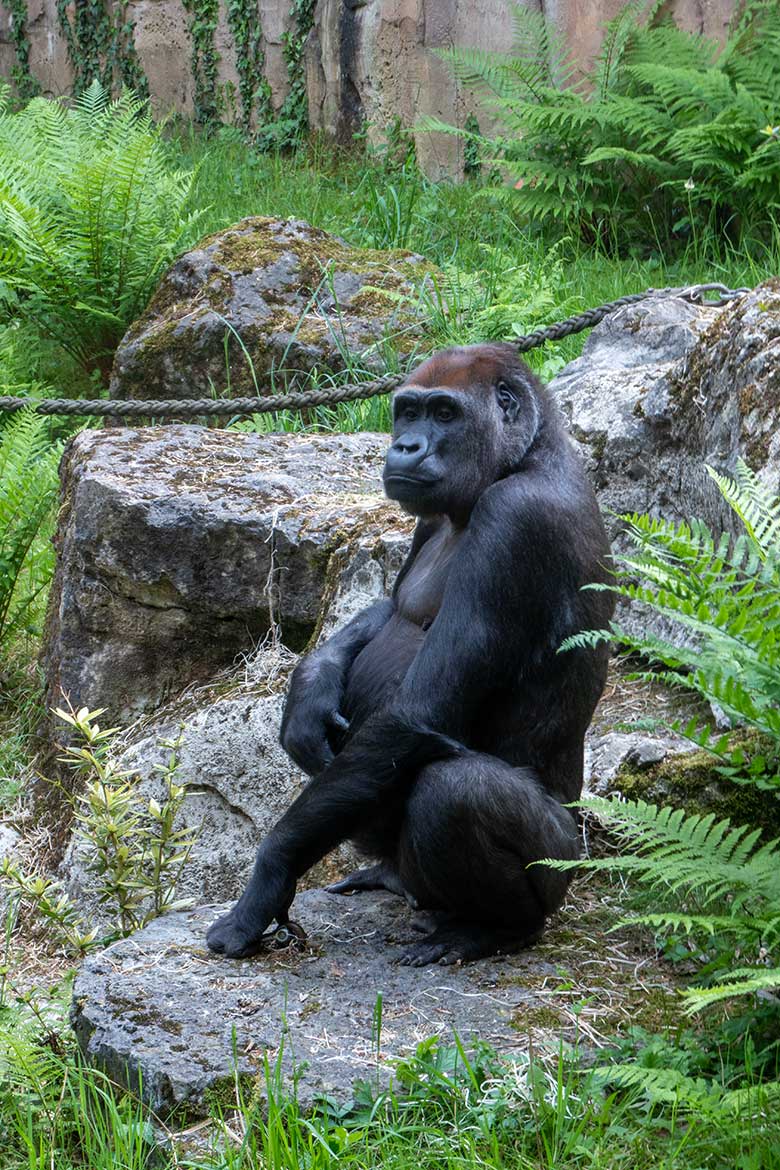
x,y
28,489
203,19
668,135
717,883
501,299
90,214
52,906
134,852
253,88
720,884
292,122
26,85
723,594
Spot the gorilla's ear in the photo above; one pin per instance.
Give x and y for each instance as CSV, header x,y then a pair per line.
x,y
507,400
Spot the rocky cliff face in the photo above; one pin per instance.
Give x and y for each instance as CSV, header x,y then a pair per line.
x,y
367,61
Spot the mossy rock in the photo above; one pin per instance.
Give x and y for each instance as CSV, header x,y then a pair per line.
x,y
265,298
691,781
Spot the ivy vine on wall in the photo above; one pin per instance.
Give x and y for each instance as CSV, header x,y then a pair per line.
x,y
293,119
100,40
101,44
204,15
25,83
253,88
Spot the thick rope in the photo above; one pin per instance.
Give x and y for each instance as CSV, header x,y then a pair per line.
x,y
328,396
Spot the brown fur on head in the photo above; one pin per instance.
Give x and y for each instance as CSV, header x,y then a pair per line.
x,y
469,367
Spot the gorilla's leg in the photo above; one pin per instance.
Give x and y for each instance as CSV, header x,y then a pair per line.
x,y
382,876
472,827
378,837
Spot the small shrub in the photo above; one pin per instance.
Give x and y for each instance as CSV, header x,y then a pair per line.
x,y
135,853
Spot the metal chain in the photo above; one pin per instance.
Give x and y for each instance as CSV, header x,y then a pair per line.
x,y
192,408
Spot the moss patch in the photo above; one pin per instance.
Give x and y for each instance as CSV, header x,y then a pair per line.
x,y
691,781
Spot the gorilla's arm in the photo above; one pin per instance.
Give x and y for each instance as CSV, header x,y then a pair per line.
x,y
312,717
312,721
510,598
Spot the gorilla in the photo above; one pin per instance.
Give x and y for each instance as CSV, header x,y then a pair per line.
x,y
441,728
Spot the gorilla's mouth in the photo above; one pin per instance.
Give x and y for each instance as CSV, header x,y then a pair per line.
x,y
412,480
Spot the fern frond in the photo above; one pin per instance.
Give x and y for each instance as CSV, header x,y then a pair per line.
x,y
90,214
742,981
691,854
489,73
614,44
755,505
660,106
667,1085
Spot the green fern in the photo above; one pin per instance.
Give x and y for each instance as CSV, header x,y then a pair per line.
x,y
722,594
28,488
726,878
673,1087
90,214
670,133
712,880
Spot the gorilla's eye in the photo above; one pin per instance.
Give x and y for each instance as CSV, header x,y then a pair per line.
x,y
409,413
445,414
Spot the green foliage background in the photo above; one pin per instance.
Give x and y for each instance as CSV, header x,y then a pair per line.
x,y
669,136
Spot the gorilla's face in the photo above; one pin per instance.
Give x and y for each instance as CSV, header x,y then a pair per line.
x,y
464,419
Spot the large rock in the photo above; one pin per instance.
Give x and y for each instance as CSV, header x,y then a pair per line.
x,y
268,296
615,399
180,547
158,1010
663,389
724,403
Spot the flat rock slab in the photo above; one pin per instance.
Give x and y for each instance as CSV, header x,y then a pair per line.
x,y
160,1009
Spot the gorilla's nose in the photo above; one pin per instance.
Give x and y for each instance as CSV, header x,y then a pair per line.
x,y
405,454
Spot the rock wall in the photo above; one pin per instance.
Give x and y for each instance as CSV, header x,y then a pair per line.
x,y
367,61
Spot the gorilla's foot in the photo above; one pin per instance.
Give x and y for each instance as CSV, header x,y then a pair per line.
x,y
235,938
374,877
241,932
461,942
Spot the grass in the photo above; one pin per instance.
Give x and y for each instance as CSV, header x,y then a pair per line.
x,y
446,1109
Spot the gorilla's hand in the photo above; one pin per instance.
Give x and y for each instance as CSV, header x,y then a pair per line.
x,y
268,896
311,732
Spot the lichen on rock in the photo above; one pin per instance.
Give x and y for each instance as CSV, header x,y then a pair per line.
x,y
269,297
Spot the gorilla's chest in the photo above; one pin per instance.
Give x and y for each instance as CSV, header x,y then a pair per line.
x,y
420,593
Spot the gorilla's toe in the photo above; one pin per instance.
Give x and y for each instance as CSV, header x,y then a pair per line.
x,y
228,937
462,942
422,953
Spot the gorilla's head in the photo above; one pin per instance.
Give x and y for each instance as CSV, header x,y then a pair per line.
x,y
463,419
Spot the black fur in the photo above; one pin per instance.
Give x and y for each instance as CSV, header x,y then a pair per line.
x,y
442,730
